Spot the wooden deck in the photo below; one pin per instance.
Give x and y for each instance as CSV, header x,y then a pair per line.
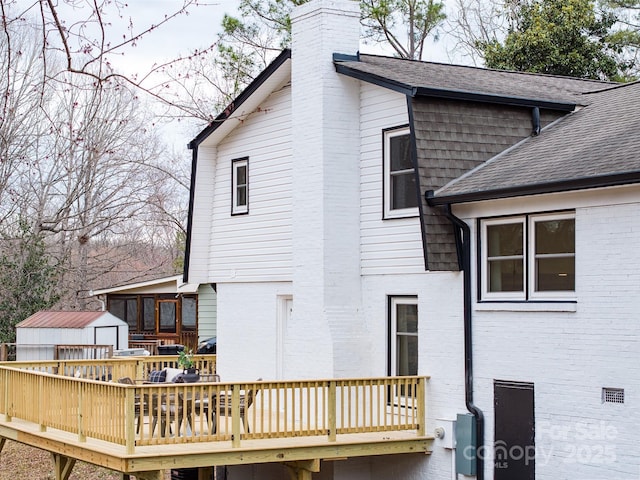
x,y
297,423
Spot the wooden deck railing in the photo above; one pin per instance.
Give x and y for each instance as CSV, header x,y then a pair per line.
x,y
112,369
161,414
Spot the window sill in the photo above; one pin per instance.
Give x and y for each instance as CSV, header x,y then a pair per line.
x,y
526,306
397,216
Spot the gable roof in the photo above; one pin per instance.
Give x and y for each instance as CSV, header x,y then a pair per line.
x,y
70,319
173,284
596,146
417,78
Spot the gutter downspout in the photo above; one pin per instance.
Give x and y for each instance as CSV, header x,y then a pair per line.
x,y
464,258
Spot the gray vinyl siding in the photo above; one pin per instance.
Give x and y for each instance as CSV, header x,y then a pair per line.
x,y
207,312
453,137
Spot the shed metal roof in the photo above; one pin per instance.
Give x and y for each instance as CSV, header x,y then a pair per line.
x,y
61,319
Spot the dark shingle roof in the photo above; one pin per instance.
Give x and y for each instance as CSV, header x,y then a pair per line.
x,y
424,77
596,146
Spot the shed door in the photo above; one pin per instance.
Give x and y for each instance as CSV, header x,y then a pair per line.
x,y
514,456
107,336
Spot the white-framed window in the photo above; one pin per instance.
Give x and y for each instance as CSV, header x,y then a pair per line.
x,y
403,335
528,257
399,183
240,186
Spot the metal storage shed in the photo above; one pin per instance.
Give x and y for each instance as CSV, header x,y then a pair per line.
x,y
38,335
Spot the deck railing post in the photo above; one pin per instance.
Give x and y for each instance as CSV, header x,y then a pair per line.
x,y
140,369
130,419
41,404
5,382
81,434
421,414
3,352
235,416
331,410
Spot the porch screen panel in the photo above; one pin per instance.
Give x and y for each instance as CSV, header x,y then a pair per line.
x,y
167,317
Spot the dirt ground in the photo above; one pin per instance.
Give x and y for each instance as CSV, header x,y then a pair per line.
x,y
21,462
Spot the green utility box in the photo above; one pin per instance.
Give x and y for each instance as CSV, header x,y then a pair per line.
x,y
466,448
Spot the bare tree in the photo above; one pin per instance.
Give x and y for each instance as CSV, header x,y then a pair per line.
x,y
88,170
479,22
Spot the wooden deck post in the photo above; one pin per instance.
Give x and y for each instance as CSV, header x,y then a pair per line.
x,y
152,475
3,352
130,420
62,466
331,409
7,414
205,473
421,413
302,469
2,442
41,409
81,435
235,416
140,370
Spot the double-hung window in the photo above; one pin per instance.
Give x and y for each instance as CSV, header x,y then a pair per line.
x,y
528,257
400,191
240,186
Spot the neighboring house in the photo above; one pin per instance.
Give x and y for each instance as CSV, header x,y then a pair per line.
x,y
369,216
166,310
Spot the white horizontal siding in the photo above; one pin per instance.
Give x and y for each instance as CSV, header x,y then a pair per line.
x,y
201,216
387,246
256,246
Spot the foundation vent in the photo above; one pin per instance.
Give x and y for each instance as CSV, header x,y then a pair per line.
x,y
613,395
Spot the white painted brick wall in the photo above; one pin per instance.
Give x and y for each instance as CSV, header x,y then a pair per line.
x,y
325,127
570,356
247,337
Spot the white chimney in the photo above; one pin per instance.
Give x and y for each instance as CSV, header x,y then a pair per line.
x,y
326,194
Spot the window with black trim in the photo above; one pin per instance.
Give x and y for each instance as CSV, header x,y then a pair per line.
x,y
403,337
240,186
400,195
528,257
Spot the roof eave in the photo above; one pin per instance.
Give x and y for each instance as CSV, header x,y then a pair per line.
x,y
602,181
241,98
342,67
373,78
495,99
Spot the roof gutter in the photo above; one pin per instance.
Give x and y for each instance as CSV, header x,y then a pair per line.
x,y
585,183
464,257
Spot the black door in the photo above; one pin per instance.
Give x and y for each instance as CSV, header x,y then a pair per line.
x,y
514,447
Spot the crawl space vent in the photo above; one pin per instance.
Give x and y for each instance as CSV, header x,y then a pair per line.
x,y
613,395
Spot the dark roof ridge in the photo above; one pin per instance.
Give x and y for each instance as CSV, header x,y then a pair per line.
x,y
612,87
475,67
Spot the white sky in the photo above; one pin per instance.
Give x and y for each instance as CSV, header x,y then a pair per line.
x,y
198,30
179,37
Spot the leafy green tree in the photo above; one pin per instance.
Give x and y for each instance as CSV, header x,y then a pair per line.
x,y
563,37
28,280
